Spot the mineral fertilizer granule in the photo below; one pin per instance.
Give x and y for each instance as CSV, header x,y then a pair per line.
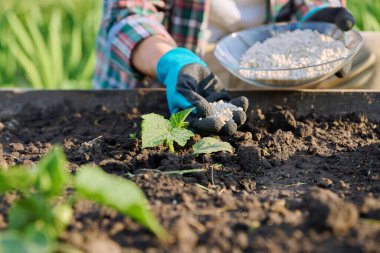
x,y
293,50
223,110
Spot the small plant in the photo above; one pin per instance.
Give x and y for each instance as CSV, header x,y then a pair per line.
x,y
156,130
40,214
208,145
37,218
133,136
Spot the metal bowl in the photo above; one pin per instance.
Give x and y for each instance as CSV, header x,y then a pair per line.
x,y
229,50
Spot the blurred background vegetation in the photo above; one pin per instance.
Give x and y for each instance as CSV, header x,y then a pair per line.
x,y
366,13
50,44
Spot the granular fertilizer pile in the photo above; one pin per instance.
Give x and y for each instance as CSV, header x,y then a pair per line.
x,y
223,111
291,50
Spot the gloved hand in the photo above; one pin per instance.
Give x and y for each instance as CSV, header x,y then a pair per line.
x,y
336,15
343,20
190,83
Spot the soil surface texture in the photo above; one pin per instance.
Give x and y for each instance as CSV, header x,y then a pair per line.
x,y
294,183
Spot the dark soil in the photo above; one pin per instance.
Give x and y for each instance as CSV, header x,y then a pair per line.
x,y
294,184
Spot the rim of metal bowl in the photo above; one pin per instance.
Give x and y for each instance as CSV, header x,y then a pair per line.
x,y
238,68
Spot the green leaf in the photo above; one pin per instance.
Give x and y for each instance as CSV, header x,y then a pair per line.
x,y
51,174
29,212
178,119
155,130
55,45
88,67
20,179
43,55
180,135
75,55
210,145
133,136
21,33
32,241
25,212
31,71
37,212
118,193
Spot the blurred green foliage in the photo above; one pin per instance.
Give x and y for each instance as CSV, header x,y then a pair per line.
x,y
366,13
48,44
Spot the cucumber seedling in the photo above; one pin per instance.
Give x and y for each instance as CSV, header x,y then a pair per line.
x,y
156,130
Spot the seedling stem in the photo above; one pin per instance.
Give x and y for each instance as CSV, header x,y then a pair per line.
x,y
171,146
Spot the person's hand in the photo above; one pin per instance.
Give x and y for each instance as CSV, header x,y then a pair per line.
x,y
190,83
336,15
342,18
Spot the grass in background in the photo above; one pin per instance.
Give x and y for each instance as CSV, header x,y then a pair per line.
x,y
48,44
366,13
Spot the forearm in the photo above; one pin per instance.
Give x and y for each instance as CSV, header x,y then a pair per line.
x,y
146,54
132,38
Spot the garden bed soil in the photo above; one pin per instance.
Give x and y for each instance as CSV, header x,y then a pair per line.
x,y
295,183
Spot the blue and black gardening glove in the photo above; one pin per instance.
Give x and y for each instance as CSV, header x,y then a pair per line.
x,y
190,83
336,15
339,16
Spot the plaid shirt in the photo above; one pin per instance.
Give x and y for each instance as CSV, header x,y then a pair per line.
x,y
127,22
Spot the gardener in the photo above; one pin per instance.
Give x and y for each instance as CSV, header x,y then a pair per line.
x,y
142,41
